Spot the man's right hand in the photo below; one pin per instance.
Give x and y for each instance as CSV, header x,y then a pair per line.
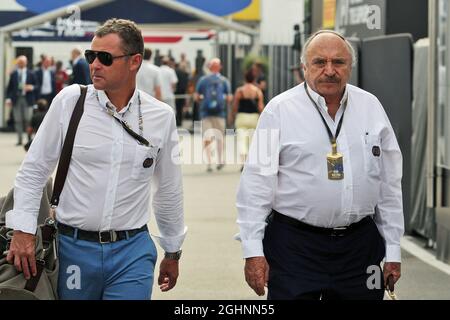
x,y
29,87
257,274
22,253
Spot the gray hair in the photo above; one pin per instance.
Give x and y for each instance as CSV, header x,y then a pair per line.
x,y
311,38
127,30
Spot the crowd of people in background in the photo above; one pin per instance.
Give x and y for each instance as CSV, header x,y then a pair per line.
x,y
31,89
176,83
172,81
187,89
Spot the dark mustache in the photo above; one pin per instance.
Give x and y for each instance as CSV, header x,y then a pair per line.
x,y
330,80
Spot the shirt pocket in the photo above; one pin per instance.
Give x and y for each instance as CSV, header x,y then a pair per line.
x,y
99,154
372,154
144,162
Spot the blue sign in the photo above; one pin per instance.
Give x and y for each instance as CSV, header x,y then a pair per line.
x,y
220,8
80,26
140,11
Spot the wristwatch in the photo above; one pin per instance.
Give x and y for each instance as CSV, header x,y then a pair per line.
x,y
173,255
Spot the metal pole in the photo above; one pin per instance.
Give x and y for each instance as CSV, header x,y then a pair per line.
x,y
229,57
272,71
2,79
283,68
256,42
217,43
432,65
229,68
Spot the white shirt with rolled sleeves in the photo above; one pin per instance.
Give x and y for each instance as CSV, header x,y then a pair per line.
x,y
107,186
287,169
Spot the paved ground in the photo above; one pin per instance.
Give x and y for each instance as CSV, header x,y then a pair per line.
x,y
211,267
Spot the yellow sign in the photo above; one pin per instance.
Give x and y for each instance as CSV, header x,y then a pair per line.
x,y
251,13
329,14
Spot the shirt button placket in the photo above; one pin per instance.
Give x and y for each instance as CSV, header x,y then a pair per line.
x,y
116,158
348,174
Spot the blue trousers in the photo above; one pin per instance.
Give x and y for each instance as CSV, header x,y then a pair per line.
x,y
122,270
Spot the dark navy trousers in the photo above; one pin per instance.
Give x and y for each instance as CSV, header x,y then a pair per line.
x,y
307,265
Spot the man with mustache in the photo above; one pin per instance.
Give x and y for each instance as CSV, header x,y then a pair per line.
x,y
126,145
320,200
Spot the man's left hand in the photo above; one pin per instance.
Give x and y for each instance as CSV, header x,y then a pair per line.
x,y
391,268
168,274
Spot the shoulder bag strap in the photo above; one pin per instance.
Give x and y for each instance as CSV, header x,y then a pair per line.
x,y
66,153
47,232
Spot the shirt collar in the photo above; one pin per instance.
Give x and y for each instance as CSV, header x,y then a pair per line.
x,y
321,100
75,61
103,99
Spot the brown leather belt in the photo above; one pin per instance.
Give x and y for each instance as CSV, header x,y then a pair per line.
x,y
334,232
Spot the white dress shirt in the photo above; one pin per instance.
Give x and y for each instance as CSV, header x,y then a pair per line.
x,y
168,80
107,186
46,87
22,75
287,168
148,78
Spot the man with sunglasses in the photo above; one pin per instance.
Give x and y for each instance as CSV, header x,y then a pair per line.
x,y
126,145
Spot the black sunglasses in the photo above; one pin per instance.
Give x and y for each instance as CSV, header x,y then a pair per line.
x,y
104,57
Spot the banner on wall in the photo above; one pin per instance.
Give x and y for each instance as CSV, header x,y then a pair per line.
x,y
329,14
361,18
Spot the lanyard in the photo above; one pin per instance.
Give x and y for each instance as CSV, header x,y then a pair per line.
x,y
139,137
338,130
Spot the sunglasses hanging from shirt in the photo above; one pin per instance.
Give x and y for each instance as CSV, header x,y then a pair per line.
x,y
335,160
139,137
104,57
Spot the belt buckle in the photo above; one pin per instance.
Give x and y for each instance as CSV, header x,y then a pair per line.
x,y
112,236
338,231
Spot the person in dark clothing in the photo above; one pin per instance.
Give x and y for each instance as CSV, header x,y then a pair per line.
x,y
192,83
20,93
158,58
80,69
36,120
46,81
61,76
38,115
260,78
182,84
199,63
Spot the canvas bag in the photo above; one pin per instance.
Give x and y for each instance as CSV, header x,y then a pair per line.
x,y
13,285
